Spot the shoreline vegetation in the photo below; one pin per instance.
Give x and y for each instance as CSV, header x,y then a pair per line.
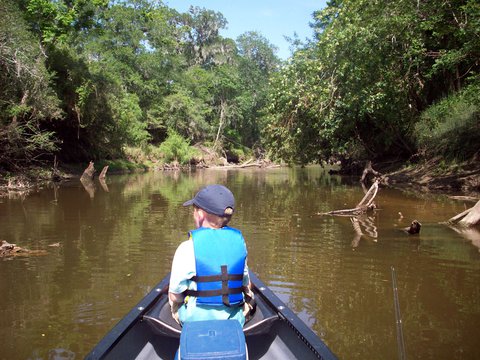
x,y
434,175
136,85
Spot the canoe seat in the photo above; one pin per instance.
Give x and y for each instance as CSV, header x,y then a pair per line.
x,y
162,322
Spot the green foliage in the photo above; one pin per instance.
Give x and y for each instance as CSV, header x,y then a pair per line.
x,y
176,148
372,69
26,100
127,117
120,165
202,42
451,127
95,76
24,143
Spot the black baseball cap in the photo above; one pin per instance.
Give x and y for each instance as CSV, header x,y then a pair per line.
x,y
214,199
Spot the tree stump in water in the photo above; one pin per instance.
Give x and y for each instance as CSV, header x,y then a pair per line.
x,y
89,172
87,179
468,218
103,174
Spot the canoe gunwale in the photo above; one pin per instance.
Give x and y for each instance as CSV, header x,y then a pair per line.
x,y
306,334
126,323
301,330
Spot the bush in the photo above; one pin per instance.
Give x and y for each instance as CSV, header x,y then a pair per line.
x,y
176,148
451,127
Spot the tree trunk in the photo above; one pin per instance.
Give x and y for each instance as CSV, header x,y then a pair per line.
x,y
221,124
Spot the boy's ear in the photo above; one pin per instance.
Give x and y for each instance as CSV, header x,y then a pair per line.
x,y
201,213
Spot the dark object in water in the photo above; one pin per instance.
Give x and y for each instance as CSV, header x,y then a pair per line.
x,y
148,331
414,228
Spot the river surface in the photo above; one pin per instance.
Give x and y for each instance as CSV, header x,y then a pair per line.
x,y
108,246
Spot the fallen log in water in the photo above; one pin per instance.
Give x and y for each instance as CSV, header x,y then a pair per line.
x,y
7,249
247,164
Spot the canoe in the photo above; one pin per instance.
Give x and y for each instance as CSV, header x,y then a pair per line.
x,y
148,331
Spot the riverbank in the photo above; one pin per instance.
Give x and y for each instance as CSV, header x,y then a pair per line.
x,y
433,175
436,175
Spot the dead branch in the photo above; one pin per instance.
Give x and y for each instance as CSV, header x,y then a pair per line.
x,y
362,207
368,198
367,171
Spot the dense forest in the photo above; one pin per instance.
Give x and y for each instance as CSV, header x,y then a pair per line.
x,y
112,79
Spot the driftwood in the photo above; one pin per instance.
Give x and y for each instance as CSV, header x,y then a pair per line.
x,y
467,218
7,249
365,205
367,171
247,164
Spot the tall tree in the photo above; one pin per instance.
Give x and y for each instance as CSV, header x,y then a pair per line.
x,y
26,100
374,66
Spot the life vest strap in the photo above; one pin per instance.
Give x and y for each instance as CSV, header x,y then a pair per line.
x,y
209,293
213,278
224,277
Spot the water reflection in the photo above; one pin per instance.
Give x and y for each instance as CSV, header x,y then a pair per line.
x,y
363,225
471,234
115,243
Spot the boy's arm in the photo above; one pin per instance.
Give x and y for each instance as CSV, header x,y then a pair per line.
x,y
175,298
183,268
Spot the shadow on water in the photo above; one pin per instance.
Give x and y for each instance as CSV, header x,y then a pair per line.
x,y
112,242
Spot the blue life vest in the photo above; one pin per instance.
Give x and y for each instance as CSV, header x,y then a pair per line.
x,y
220,260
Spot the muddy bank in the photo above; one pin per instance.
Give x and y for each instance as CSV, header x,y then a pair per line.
x,y
435,175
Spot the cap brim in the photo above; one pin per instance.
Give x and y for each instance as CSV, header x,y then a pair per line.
x,y
188,203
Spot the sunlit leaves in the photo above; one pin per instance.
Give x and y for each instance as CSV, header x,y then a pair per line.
x,y
373,68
